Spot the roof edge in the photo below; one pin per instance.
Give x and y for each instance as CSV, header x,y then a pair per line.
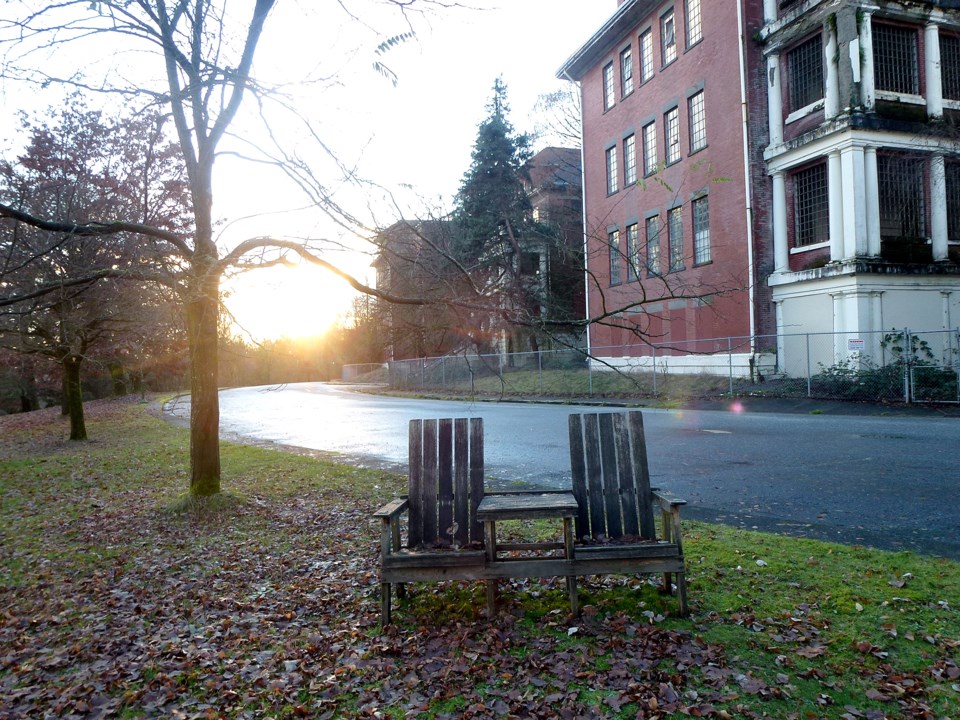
x,y
627,15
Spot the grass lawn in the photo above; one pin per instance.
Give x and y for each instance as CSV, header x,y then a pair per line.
x,y
112,604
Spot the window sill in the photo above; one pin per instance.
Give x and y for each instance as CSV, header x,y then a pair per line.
x,y
666,65
627,95
697,150
691,46
804,111
905,98
807,248
703,264
670,163
611,193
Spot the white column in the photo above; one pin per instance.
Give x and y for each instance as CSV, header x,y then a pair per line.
x,y
831,105
774,100
835,188
934,86
871,191
839,327
781,344
854,215
865,55
769,10
938,207
781,253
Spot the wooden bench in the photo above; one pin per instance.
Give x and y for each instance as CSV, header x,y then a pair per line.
x,y
615,529
444,539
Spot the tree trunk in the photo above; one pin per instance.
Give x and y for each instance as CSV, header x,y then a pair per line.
x,y
74,396
64,394
202,327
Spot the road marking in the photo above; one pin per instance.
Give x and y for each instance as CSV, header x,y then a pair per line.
x,y
719,432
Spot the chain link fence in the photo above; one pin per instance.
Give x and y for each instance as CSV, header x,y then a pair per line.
x,y
895,365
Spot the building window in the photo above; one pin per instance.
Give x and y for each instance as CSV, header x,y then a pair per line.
x,y
608,85
633,252
668,37
629,161
805,65
646,56
953,199
613,239
950,65
811,206
698,122
653,245
901,184
612,185
895,61
649,149
694,28
701,231
675,238
671,124
626,72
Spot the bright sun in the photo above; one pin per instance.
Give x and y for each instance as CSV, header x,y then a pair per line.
x,y
287,302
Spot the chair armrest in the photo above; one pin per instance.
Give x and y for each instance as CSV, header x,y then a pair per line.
x,y
392,509
667,503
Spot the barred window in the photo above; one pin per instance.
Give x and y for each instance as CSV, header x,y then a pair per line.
x,y
950,65
668,37
895,60
646,56
671,124
811,206
612,185
613,239
900,181
698,122
650,149
653,245
701,231
630,161
953,200
633,252
626,72
805,65
608,98
675,237
694,27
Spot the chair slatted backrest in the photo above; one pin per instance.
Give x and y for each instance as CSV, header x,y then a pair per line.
x,y
611,479
445,482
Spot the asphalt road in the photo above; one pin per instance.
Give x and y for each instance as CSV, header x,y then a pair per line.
x,y
884,481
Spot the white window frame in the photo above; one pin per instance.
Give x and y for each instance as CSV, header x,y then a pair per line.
x,y
609,87
612,170
629,161
697,121
675,237
671,135
646,55
633,252
616,270
649,132
700,209
626,71
652,232
694,22
668,37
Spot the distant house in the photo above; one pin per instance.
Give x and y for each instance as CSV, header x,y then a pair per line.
x,y
756,170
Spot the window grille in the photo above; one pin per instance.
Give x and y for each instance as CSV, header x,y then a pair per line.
x,y
608,98
668,37
650,149
626,72
653,245
953,200
613,239
612,170
646,56
671,123
811,206
895,59
694,27
701,231
633,252
675,237
629,161
901,183
805,64
950,65
698,122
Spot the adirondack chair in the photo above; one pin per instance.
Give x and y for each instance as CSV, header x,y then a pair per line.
x,y
614,527
444,539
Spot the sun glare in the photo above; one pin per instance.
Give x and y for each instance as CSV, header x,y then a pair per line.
x,y
287,302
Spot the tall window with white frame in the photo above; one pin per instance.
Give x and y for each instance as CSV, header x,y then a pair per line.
x,y
811,206
675,238
701,230
694,25
697,112
612,183
649,149
668,38
805,68
901,180
626,71
896,64
671,125
646,55
950,65
633,252
653,245
629,161
613,240
609,98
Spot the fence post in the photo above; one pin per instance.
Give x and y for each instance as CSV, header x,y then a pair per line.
x,y
589,377
653,356
423,373
730,362
809,370
908,364
443,371
540,370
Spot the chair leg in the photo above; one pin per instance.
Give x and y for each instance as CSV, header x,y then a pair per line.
x,y
682,593
385,603
491,599
666,586
572,591
401,590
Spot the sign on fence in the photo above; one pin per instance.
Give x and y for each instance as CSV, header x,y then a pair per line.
x,y
856,344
